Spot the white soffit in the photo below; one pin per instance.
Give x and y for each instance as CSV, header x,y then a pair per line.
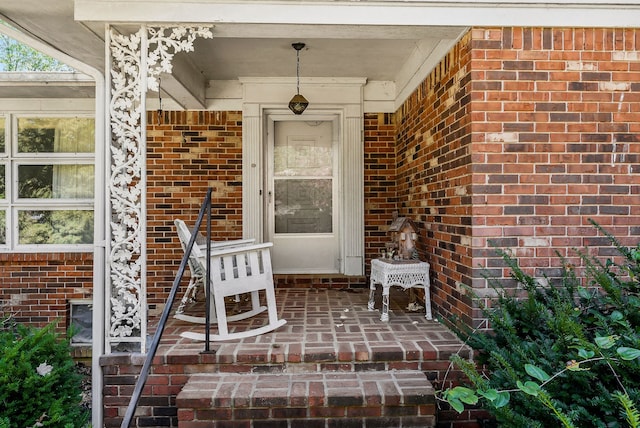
x,y
592,13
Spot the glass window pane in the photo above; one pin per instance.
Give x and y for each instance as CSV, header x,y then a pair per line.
x,y
55,227
300,156
55,135
3,227
2,131
55,181
81,323
303,206
2,181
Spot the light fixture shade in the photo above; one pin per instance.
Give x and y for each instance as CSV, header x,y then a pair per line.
x,y
298,104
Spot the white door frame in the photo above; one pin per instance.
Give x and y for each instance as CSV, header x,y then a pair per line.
x,y
344,97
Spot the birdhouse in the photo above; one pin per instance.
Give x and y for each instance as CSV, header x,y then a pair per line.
x,y
404,234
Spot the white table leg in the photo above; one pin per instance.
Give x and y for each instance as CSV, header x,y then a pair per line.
x,y
372,292
427,302
385,304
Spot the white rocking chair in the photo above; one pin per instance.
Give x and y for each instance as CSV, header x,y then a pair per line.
x,y
237,269
197,270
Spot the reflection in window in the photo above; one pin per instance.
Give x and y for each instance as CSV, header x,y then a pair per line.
x,y
47,178
2,181
81,320
55,181
55,227
2,128
301,156
303,206
55,135
3,227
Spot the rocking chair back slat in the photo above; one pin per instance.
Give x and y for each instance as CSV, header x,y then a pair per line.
x,y
235,268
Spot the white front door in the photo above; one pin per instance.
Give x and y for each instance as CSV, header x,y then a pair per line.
x,y
301,198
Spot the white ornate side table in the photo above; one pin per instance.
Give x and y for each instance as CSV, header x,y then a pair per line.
x,y
405,274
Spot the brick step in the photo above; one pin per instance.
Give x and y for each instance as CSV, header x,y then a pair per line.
x,y
397,398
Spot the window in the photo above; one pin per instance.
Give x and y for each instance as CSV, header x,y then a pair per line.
x,y
46,182
81,321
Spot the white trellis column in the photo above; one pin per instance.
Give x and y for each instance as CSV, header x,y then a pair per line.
x,y
134,62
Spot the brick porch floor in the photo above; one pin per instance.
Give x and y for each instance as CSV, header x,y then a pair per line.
x,y
325,326
327,331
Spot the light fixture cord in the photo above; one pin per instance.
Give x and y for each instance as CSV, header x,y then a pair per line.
x,y
298,71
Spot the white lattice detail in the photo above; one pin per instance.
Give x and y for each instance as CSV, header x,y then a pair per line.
x,y
406,279
131,74
125,185
167,41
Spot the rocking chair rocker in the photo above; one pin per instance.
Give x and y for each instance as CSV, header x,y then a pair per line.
x,y
234,269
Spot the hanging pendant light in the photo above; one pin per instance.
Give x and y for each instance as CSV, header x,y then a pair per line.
x,y
298,103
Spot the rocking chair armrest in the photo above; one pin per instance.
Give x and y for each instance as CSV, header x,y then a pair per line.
x,y
228,244
200,250
238,249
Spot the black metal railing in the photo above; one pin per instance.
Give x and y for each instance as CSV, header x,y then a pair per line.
x,y
146,367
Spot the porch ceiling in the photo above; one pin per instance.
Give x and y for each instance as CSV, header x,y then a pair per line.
x,y
396,42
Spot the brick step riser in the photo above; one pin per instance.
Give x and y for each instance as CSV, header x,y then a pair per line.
x,y
210,363
261,420
383,399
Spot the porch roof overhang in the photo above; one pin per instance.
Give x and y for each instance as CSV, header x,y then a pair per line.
x,y
393,44
46,85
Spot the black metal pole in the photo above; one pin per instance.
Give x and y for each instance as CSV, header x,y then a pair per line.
x,y
207,305
144,374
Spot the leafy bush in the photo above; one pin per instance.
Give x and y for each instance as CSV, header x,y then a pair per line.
x,y
39,386
563,354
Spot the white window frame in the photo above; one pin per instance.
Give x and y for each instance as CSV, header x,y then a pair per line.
x,y
5,161
12,204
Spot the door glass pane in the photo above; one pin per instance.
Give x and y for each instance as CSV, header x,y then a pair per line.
x,y
303,206
55,227
55,135
303,172
300,156
55,181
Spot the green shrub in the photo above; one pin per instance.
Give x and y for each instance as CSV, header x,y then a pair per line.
x,y
562,354
39,386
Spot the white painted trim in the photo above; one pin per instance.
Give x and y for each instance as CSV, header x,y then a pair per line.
x,y
31,78
142,295
589,13
47,106
226,95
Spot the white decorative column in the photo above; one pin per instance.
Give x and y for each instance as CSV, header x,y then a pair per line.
x,y
135,61
353,182
252,179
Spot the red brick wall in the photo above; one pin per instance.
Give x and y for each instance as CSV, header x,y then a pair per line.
x,y
556,130
36,287
523,135
380,192
435,175
186,154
